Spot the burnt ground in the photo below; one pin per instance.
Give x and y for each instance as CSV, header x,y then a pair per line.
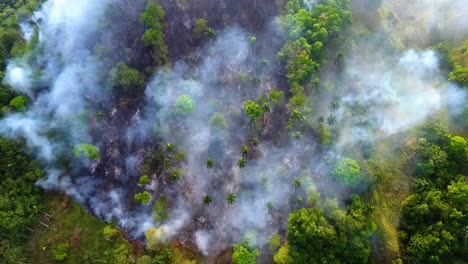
x,y
254,16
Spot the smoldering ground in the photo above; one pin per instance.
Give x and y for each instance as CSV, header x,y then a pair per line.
x,y
381,91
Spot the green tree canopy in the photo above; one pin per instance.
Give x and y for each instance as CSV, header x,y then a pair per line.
x,y
86,150
252,109
19,102
244,254
348,172
143,197
126,78
217,120
184,105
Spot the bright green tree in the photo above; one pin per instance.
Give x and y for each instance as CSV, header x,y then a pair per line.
x,y
86,150
126,78
143,179
217,120
143,197
19,103
244,254
59,251
184,105
252,109
348,172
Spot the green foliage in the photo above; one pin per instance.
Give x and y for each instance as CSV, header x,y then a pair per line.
x,y
231,198
20,201
241,163
153,38
309,31
274,242
118,255
347,172
200,27
163,256
244,254
153,18
432,218
143,179
282,256
70,222
458,58
59,252
5,95
244,150
110,232
143,197
184,105
176,174
160,210
276,96
19,102
86,150
460,76
210,163
252,109
179,156
217,120
338,237
207,200
154,238
126,78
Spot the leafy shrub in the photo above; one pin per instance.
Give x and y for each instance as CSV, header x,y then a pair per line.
x,y
144,179
19,102
59,251
252,109
347,172
217,120
86,150
184,105
143,197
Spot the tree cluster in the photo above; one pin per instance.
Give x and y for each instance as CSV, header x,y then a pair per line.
x,y
331,236
435,217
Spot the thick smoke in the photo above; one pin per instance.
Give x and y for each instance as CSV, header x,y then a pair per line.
x,y
382,91
219,82
424,20
389,93
60,76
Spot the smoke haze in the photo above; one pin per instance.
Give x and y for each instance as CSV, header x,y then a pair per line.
x,y
382,91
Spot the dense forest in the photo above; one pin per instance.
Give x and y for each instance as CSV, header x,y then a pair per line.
x,y
233,131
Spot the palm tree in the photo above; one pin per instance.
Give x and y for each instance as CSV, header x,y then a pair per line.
x,y
270,207
321,119
334,105
296,183
241,163
207,200
331,120
297,135
210,163
231,198
244,150
300,200
175,175
166,162
169,147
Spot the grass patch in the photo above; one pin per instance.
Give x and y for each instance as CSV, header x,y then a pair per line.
x,y
391,187
70,223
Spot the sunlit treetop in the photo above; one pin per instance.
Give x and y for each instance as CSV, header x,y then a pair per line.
x,y
184,105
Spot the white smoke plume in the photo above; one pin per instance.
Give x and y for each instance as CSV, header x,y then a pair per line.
x,y
382,92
